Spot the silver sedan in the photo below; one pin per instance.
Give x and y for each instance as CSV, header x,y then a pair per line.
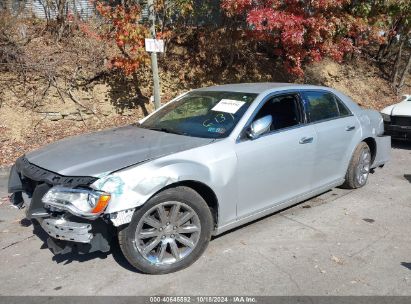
x,y
206,162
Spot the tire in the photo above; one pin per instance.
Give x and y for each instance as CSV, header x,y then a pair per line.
x,y
359,167
180,242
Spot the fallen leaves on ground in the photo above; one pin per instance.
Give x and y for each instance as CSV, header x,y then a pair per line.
x,y
338,260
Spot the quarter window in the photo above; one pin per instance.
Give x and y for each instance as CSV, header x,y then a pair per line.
x,y
324,105
342,107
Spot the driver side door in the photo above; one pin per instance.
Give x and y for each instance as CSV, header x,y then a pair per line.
x,y
278,165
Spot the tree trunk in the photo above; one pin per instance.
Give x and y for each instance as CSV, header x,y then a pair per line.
x,y
8,6
397,64
405,73
61,18
387,49
381,51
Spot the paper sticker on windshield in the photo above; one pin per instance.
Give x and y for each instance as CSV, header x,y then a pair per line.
x,y
228,106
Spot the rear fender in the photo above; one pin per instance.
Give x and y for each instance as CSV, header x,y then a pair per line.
x,y
383,154
373,126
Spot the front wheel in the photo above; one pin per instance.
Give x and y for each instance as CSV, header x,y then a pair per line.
x,y
359,167
168,233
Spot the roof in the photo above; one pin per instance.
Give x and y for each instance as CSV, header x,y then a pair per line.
x,y
257,87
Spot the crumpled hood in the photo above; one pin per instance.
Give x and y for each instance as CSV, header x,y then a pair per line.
x,y
110,150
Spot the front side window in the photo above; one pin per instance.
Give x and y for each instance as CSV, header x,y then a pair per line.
x,y
284,110
323,106
207,114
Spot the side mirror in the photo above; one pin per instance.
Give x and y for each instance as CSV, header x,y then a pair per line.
x,y
259,127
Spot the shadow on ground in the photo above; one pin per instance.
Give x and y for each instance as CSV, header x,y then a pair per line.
x,y
406,265
403,145
68,258
125,94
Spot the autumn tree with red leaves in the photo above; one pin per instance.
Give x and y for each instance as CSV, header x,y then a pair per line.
x,y
123,27
301,31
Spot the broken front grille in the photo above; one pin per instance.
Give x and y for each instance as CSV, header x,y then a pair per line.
x,y
33,175
35,182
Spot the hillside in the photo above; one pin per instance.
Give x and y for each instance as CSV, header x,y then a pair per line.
x,y
74,92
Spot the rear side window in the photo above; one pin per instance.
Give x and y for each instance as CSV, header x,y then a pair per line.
x,y
323,106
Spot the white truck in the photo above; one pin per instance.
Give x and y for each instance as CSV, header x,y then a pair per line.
x,y
397,119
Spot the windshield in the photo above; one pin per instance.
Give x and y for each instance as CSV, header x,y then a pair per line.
x,y
205,114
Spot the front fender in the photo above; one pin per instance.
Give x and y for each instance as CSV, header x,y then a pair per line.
x,y
132,187
212,165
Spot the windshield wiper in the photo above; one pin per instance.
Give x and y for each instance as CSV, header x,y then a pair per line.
x,y
165,130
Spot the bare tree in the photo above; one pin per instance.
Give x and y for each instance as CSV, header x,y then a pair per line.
x,y
61,7
397,63
405,72
55,12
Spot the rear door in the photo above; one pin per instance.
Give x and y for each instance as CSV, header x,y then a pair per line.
x,y
335,127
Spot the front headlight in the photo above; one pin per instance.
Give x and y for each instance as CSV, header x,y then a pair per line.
x,y
81,202
386,117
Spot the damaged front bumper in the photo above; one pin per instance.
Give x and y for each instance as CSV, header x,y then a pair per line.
x,y
65,232
62,229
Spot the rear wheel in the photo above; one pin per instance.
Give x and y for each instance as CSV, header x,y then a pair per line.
x,y
168,233
359,167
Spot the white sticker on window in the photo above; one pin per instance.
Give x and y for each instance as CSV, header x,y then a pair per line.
x,y
228,106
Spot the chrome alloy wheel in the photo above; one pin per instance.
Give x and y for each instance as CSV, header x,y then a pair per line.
x,y
167,233
363,167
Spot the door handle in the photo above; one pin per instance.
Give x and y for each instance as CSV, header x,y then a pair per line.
x,y
349,128
306,140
